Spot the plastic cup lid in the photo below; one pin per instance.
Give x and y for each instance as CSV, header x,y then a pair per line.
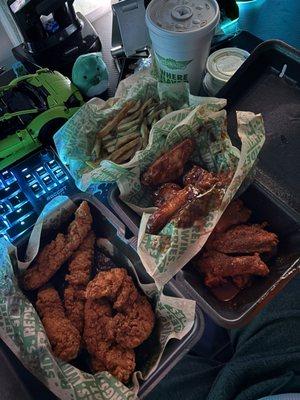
x,y
223,63
183,15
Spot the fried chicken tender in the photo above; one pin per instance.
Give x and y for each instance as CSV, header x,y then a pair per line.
x,y
109,336
80,265
165,213
63,336
97,317
165,193
115,285
106,355
74,300
57,252
169,166
135,325
218,265
244,239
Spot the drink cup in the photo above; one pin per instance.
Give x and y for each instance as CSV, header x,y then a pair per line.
x,y
181,32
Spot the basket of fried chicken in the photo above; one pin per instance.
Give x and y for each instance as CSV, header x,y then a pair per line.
x,y
83,315
184,180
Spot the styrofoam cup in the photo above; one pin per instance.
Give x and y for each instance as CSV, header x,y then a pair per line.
x,y
181,32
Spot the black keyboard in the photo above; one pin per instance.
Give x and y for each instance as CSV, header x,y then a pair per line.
x,y
26,187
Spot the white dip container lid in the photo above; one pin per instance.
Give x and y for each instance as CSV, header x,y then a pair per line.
x,y
223,63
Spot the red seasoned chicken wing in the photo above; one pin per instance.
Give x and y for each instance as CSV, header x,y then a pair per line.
x,y
169,166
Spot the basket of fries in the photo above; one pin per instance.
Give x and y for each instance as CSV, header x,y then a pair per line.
x,y
116,129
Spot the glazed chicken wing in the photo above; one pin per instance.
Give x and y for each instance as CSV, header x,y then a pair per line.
x,y
236,213
165,213
169,166
57,252
244,239
218,265
165,193
63,336
204,180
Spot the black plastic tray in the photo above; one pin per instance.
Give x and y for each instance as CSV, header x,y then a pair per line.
x,y
286,264
107,225
269,83
237,312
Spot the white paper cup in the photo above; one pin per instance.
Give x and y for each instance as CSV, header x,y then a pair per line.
x,y
181,32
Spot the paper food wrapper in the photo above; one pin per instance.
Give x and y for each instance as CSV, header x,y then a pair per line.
x,y
22,331
75,140
163,255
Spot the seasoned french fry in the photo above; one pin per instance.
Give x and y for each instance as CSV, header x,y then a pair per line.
x,y
128,146
127,131
115,121
129,125
134,129
132,117
169,109
96,149
135,107
125,139
147,104
145,133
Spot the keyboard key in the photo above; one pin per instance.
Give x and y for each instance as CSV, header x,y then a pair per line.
x,y
41,171
8,176
60,175
36,188
9,190
48,181
19,213
29,178
52,164
22,226
1,184
4,209
17,199
2,225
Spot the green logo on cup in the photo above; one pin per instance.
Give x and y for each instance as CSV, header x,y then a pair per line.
x,y
172,64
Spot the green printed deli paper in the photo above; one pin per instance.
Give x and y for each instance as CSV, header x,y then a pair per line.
x,y
75,140
163,255
22,331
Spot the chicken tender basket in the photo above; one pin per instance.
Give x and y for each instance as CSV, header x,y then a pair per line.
x,y
175,317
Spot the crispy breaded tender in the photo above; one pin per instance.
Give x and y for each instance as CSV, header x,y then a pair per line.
x,y
97,314
49,304
74,300
135,325
98,335
80,264
126,296
245,239
114,285
57,252
63,336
